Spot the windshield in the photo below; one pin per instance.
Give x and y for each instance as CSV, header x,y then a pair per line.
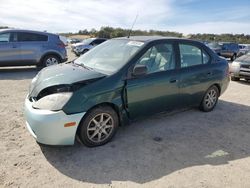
x,y
109,56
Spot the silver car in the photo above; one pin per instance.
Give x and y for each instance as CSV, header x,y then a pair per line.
x,y
25,47
240,68
86,45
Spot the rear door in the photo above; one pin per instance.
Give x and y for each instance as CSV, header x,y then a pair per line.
x,y
196,73
32,46
9,49
158,89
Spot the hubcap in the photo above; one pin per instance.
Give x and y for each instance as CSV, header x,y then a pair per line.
x,y
211,98
51,61
100,127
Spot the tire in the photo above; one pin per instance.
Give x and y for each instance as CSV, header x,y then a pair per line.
x,y
208,103
50,60
234,78
94,131
233,57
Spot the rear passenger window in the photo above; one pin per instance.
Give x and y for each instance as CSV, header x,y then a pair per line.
x,y
25,37
192,55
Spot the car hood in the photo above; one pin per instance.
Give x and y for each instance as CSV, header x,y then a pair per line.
x,y
244,59
67,73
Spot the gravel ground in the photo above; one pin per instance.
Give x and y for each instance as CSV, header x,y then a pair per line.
x,y
187,148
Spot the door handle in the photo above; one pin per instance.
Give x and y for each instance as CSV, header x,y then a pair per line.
x,y
14,46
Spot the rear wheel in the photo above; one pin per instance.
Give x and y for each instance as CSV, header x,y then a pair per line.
x,y
210,99
99,126
50,60
234,78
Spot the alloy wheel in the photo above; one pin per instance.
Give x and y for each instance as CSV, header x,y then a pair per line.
x,y
210,98
100,127
51,61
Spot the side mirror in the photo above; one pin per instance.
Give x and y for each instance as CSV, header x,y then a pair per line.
x,y
140,70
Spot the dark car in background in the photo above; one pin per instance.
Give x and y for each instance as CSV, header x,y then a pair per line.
x,y
86,45
240,68
215,46
118,81
26,47
229,50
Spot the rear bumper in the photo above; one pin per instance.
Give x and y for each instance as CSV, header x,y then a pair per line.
x,y
47,127
225,85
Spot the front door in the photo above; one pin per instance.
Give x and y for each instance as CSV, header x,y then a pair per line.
x,y
158,89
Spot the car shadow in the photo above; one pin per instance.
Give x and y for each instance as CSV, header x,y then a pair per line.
x,y
157,146
18,73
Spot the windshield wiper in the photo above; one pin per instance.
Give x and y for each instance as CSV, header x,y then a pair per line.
x,y
82,65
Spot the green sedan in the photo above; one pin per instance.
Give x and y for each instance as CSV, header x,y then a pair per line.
x,y
118,81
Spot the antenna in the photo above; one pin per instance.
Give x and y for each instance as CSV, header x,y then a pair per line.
x,y
132,25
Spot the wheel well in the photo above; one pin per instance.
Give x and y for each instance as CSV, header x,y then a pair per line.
x,y
113,106
218,87
50,53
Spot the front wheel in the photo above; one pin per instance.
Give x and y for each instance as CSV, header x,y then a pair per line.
x,y
210,99
99,126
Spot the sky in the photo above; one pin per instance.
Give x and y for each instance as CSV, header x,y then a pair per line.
x,y
184,16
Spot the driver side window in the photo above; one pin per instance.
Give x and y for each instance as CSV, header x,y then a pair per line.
x,y
158,58
5,37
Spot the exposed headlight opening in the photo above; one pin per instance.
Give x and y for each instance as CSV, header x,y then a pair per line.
x,y
53,102
64,88
55,89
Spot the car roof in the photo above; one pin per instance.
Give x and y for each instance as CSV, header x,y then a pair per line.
x,y
26,30
153,38
144,38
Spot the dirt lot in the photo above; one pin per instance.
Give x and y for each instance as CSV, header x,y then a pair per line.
x,y
187,148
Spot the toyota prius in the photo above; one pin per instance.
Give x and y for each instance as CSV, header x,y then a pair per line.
x,y
118,81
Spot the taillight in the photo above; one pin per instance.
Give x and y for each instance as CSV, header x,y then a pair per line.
x,y
61,44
